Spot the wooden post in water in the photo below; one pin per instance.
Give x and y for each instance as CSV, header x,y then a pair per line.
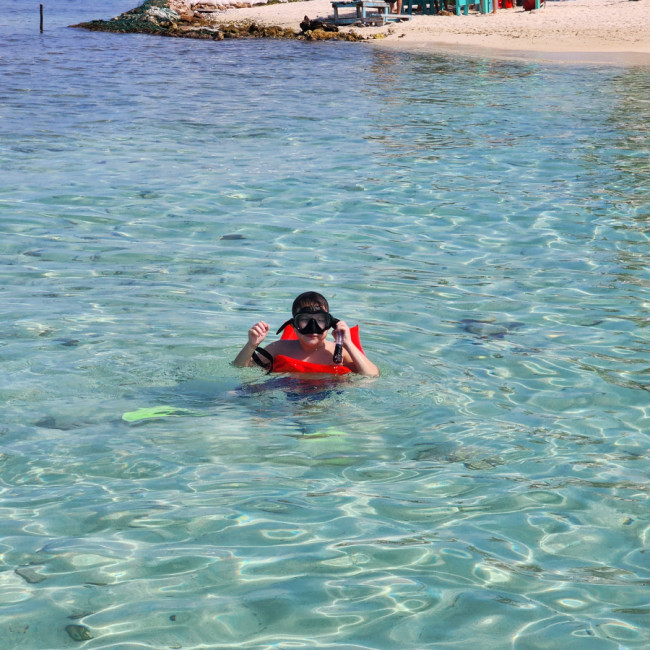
x,y
41,19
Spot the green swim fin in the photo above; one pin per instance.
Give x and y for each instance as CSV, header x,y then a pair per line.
x,y
153,412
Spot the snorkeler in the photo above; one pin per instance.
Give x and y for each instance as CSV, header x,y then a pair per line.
x,y
304,346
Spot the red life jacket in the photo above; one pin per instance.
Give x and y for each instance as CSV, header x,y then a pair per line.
x,y
287,364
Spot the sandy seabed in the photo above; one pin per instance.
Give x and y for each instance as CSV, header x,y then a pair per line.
x,y
589,31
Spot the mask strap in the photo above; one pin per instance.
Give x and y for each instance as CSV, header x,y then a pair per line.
x,y
289,322
268,364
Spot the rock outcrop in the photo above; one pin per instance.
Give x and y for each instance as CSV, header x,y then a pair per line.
x,y
196,19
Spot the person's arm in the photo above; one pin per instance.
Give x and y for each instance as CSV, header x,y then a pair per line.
x,y
256,335
362,364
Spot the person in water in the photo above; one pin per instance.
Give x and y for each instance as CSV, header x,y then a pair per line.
x,y
309,350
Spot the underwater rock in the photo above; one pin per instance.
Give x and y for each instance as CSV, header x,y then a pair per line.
x,y
49,422
30,575
488,329
484,463
78,632
67,343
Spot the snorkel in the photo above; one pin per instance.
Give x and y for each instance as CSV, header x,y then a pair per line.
x,y
338,348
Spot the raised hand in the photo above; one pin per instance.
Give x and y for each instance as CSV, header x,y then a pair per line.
x,y
343,328
257,333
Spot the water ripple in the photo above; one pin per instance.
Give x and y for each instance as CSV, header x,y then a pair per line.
x,y
493,480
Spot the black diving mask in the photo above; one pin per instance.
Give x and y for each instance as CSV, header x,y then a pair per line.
x,y
311,322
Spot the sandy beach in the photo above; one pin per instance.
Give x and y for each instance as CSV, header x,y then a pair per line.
x,y
598,31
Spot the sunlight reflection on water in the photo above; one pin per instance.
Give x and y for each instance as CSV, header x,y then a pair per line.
x,y
493,480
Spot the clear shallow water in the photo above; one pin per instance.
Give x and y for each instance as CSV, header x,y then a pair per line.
x,y
158,196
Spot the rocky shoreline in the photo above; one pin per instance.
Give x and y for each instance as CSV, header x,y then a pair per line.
x,y
186,19
581,31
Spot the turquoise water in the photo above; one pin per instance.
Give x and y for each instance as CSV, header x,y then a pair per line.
x,y
486,223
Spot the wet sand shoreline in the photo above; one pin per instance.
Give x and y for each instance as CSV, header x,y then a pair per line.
x,y
570,31
601,32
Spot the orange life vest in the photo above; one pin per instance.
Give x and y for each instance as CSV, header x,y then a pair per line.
x,y
282,363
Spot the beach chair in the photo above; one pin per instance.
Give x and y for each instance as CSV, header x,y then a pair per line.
x,y
426,6
429,7
407,6
485,6
366,12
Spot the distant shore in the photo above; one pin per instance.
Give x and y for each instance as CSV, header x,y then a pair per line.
x,y
616,31
575,31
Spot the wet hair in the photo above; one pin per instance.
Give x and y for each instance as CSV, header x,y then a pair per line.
x,y
309,301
